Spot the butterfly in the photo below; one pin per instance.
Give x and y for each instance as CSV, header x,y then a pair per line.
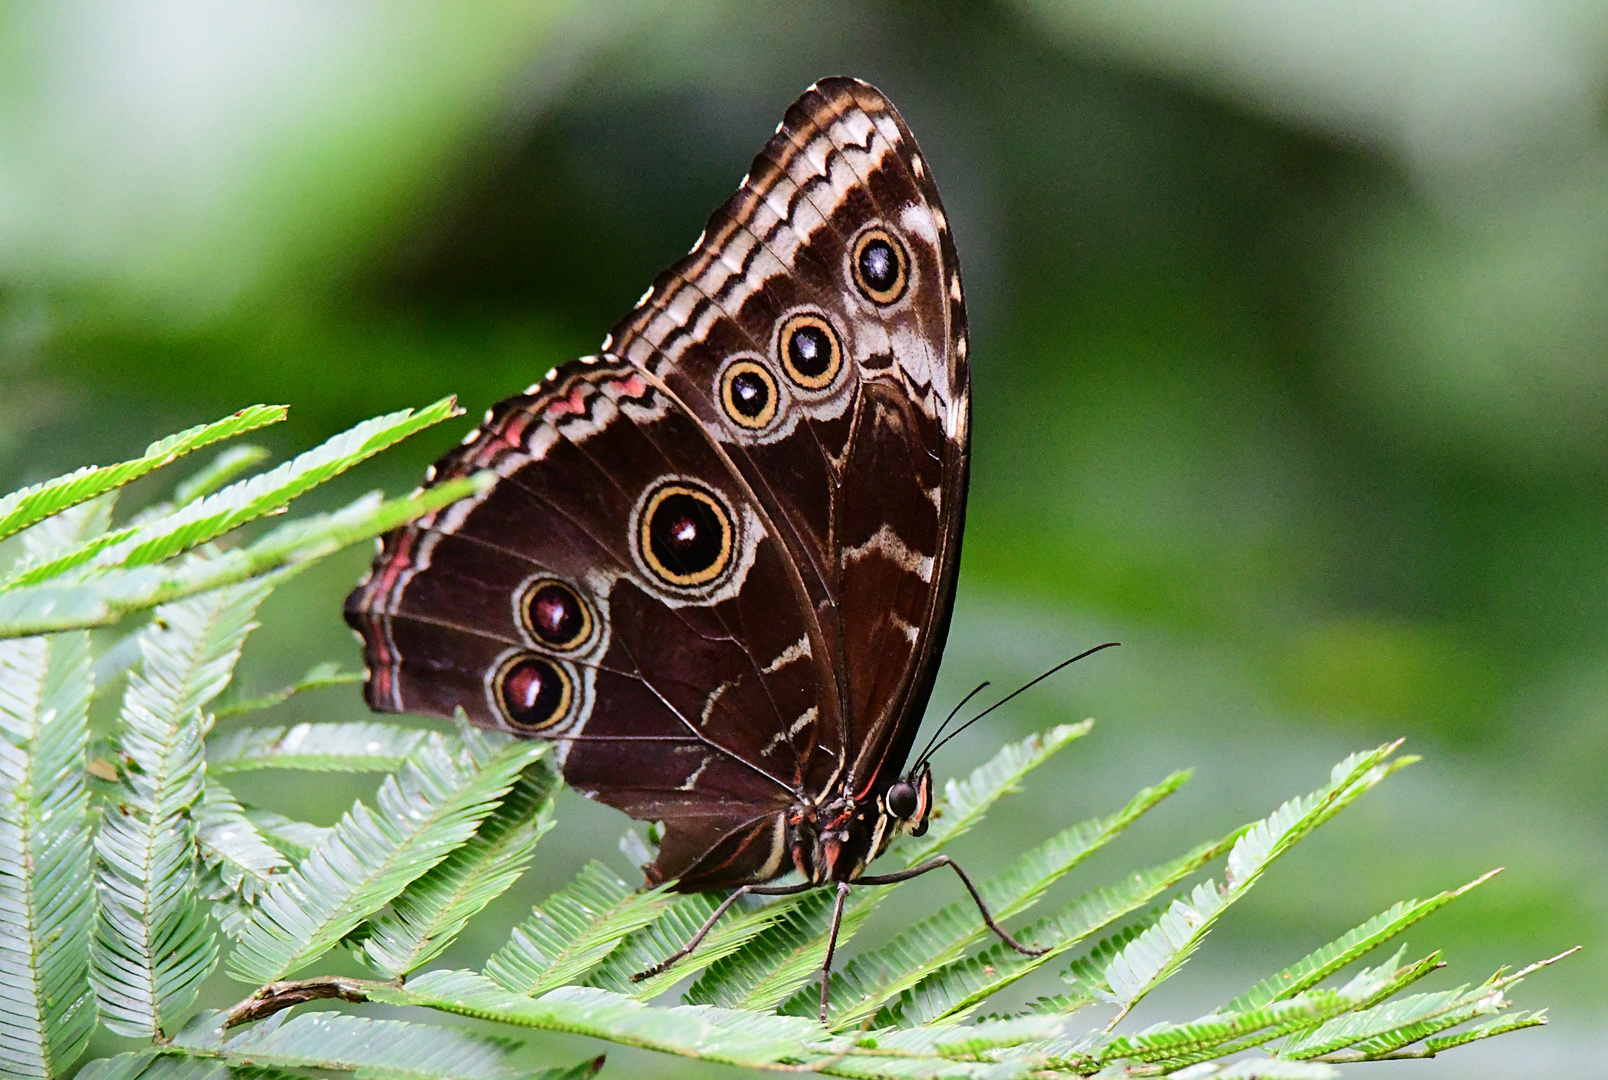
x,y
718,564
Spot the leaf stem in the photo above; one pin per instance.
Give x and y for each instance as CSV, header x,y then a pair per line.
x,y
282,995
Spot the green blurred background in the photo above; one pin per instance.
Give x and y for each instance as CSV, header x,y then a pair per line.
x,y
1290,340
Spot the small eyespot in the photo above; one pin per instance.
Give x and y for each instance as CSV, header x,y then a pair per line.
x,y
810,352
748,394
532,694
555,615
881,267
684,535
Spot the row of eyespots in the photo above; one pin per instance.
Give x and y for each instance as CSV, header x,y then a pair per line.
x,y
685,539
808,347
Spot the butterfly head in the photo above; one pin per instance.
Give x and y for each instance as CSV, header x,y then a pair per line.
x,y
909,801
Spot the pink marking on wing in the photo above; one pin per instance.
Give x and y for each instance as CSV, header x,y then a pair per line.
x,y
575,403
514,433
634,386
394,565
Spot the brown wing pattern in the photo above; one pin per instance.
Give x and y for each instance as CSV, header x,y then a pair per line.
x,y
677,702
868,480
718,567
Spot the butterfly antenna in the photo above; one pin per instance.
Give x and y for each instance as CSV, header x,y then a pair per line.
x,y
926,754
961,705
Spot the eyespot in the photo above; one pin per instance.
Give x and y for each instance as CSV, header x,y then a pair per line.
x,y
881,267
748,394
532,693
810,351
555,614
902,800
684,535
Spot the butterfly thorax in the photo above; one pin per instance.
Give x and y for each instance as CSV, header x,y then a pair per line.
x,y
836,841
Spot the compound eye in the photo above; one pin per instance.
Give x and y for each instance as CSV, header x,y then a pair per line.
x,y
534,694
556,615
902,800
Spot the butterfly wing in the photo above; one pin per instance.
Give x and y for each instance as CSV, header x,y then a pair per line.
x,y
866,472
719,563
558,604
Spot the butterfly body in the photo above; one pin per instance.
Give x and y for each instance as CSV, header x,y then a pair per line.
x,y
718,565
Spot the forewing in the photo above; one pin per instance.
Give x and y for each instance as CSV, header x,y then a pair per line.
x,y
865,477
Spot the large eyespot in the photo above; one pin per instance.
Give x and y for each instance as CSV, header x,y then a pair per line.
x,y
748,394
555,614
810,351
881,267
684,535
532,693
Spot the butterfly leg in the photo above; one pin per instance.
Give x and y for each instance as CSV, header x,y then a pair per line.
x,y
709,923
982,908
831,945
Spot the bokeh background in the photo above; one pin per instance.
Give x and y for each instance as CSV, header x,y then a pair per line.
x,y
1290,340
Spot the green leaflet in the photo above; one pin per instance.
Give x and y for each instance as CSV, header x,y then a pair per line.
x,y
332,1042
22,508
572,931
229,842
47,1010
872,979
428,808
956,989
1317,966
246,500
1167,944
318,677
65,605
153,945
431,911
359,746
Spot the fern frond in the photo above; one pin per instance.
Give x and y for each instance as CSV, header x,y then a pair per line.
x,y
230,843
1500,1026
727,1036
792,945
872,979
680,919
219,471
329,1041
1393,1024
22,508
427,809
1162,948
153,945
295,840
110,594
720,1035
431,911
572,931
363,746
318,677
47,1009
1222,1033
954,991
246,500
1319,965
